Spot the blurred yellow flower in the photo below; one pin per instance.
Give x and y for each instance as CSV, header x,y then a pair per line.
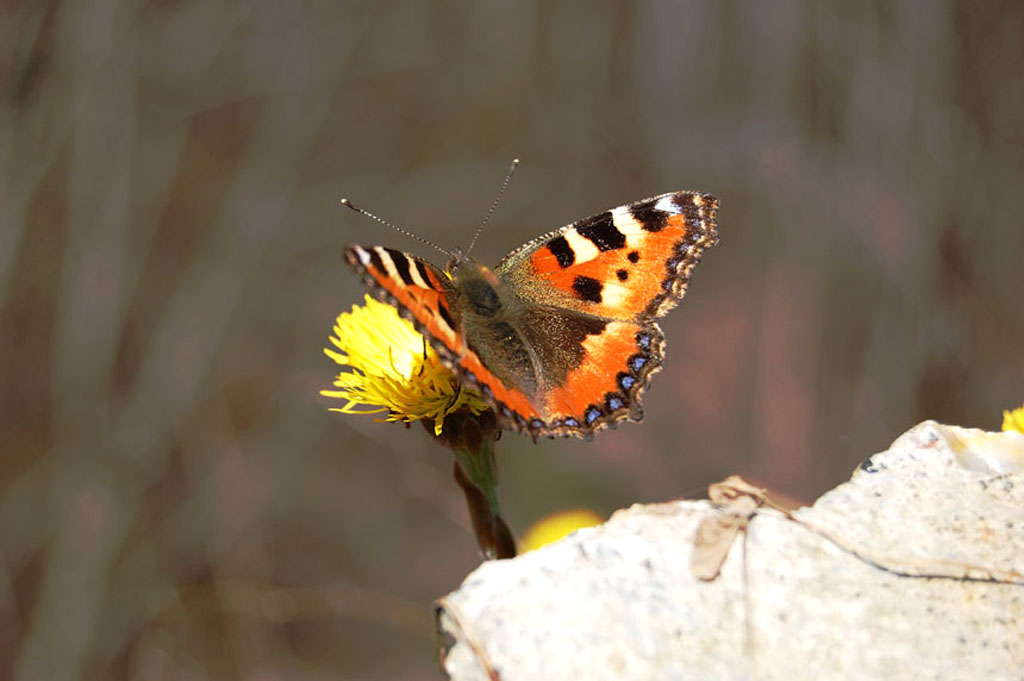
x,y
1014,420
391,368
556,526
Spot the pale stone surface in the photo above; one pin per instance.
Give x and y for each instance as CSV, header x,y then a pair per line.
x,y
912,569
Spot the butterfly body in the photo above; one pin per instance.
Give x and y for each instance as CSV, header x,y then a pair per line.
x,y
561,336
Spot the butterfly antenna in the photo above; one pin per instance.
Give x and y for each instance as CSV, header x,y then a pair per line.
x,y
349,204
497,200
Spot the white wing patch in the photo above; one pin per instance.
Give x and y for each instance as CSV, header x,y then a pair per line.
x,y
666,205
582,247
624,221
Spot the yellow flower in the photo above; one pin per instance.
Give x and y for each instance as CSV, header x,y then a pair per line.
x,y
1014,420
551,528
391,368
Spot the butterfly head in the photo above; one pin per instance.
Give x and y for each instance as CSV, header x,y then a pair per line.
x,y
479,287
462,268
456,258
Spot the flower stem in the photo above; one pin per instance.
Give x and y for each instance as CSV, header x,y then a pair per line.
x,y
471,438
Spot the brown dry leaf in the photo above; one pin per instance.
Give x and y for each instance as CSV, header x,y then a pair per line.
x,y
736,501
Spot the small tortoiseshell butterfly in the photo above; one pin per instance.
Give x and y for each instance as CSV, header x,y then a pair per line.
x,y
561,337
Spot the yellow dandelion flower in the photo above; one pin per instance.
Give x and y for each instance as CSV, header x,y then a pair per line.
x,y
392,369
550,529
1014,419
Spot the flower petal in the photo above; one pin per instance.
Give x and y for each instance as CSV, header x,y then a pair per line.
x,y
391,368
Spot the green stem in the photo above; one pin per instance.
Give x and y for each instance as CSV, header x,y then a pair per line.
x,y
471,439
480,468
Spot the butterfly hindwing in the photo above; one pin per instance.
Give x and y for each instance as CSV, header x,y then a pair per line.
x,y
601,381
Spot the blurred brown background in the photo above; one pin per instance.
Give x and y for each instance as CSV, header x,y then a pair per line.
x,y
175,500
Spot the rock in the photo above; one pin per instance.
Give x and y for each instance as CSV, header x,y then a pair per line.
x,y
913,569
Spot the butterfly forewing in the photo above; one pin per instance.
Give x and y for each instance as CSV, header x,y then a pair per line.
x,y
632,262
424,294
418,289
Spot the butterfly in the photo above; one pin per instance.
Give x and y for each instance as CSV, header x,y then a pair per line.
x,y
561,337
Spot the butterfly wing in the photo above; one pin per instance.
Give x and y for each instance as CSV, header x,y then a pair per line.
x,y
630,263
425,295
415,287
595,288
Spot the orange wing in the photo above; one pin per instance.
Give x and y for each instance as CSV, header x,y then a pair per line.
x,y
414,286
621,270
630,263
423,294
